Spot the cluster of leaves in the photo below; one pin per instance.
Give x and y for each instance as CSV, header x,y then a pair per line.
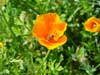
x,y
23,55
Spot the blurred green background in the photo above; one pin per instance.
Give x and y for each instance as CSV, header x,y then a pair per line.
x,y
23,55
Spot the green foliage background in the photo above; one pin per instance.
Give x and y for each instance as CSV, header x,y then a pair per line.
x,y
23,55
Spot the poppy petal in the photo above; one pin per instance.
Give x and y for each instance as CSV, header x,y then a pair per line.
x,y
40,29
51,45
44,24
61,28
58,30
51,18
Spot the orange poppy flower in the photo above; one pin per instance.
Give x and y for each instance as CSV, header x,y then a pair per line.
x,y
49,30
92,24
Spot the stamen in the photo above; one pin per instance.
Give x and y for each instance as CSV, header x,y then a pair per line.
x,y
94,25
50,37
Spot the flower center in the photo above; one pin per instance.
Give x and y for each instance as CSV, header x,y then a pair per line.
x,y
50,36
94,25
53,36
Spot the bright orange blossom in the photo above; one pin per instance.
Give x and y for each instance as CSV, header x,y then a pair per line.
x,y
92,24
49,30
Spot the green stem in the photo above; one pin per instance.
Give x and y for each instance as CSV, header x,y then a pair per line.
x,y
42,65
71,17
47,55
97,66
44,60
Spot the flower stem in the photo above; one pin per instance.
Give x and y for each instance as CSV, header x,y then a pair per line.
x,y
97,66
43,67
47,55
